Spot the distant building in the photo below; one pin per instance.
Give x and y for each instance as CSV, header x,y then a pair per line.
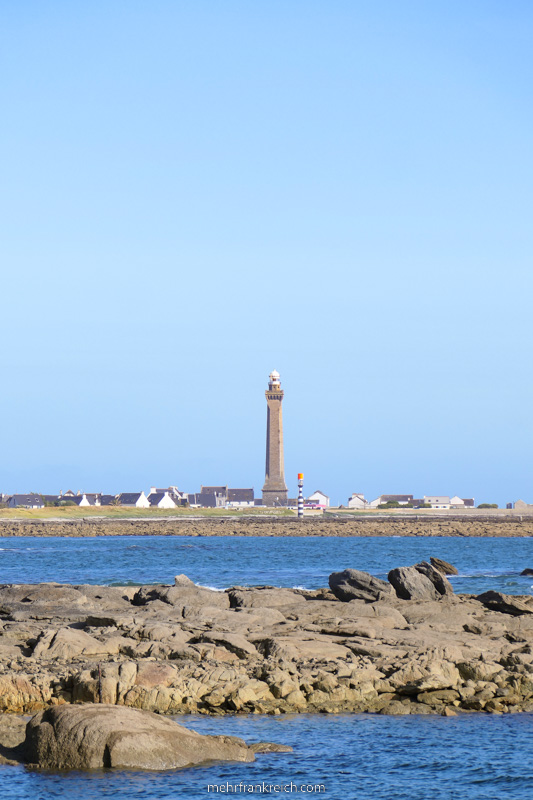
x,y
520,504
462,502
240,498
89,499
319,499
357,501
31,500
275,488
161,500
211,497
137,499
437,501
401,499
179,498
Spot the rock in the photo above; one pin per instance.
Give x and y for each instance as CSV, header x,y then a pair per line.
x,y
410,584
96,736
506,603
182,594
352,584
270,747
444,566
12,735
527,571
19,694
231,641
263,597
438,697
66,643
439,581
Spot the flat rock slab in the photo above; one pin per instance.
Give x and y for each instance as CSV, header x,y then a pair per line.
x,y
93,736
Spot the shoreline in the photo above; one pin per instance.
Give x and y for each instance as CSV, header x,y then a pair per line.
x,y
481,526
183,648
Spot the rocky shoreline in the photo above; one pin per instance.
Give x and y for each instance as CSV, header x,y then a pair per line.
x,y
267,526
405,646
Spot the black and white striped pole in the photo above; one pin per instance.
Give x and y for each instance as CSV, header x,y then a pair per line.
x,y
300,495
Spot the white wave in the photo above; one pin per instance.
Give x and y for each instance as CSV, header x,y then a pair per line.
x,y
211,588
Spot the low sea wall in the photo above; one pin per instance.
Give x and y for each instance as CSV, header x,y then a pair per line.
x,y
268,526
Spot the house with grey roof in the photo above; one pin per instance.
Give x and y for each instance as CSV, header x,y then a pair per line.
x,y
161,500
240,498
137,499
401,499
31,500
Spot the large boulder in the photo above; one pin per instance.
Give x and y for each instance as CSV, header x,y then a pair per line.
x,y
444,566
410,584
93,736
507,603
352,584
439,581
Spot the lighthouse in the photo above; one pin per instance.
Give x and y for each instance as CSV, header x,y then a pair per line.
x,y
275,490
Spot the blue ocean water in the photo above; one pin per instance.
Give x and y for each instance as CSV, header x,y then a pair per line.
x,y
474,757
483,563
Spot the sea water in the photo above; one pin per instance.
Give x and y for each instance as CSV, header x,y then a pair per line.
x,y
468,757
222,561
339,757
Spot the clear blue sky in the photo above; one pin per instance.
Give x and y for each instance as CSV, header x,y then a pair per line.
x,y
195,193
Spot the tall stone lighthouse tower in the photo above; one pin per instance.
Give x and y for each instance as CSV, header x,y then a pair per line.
x,y
274,491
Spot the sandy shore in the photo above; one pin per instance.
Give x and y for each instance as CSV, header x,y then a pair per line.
x,y
252,526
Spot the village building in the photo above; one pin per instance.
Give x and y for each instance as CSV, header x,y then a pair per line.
x,y
357,501
161,500
401,499
31,500
462,502
318,499
437,501
137,499
240,498
87,499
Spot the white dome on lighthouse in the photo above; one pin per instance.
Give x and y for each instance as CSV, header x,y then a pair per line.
x,y
273,380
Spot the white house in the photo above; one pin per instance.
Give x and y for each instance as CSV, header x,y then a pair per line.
x,y
137,499
357,501
89,500
161,500
437,501
318,498
401,499
462,502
